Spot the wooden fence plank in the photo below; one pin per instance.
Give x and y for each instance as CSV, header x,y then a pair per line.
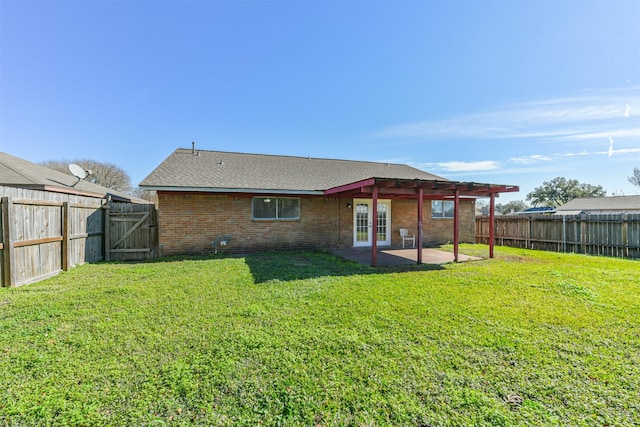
x,y
37,241
106,238
615,235
36,202
7,240
66,232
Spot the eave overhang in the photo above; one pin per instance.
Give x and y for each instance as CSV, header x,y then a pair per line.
x,y
391,188
233,190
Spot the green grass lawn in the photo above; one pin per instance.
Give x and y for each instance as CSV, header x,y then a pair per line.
x,y
303,338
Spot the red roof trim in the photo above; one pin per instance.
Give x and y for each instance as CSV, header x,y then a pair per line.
x,y
349,187
409,188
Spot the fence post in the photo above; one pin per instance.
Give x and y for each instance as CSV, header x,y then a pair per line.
x,y
625,235
155,232
65,236
107,233
583,233
564,234
7,240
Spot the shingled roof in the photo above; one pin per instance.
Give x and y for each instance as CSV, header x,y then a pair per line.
x,y
602,204
17,172
190,170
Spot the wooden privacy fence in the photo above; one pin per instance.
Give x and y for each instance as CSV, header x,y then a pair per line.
x,y
39,238
616,235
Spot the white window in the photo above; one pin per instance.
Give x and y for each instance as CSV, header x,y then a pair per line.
x,y
276,208
442,208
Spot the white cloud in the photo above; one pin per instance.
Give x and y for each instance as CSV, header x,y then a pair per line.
x,y
573,128
595,135
619,151
610,152
525,160
569,154
522,164
594,115
468,166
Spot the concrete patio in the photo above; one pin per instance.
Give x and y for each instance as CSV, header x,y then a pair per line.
x,y
391,257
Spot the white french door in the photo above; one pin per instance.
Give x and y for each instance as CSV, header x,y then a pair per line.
x,y
364,222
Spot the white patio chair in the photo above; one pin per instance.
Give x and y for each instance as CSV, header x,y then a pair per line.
x,y
407,236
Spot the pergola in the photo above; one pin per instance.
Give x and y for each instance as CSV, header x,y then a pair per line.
x,y
421,190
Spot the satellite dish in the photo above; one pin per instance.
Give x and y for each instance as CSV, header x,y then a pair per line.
x,y
77,171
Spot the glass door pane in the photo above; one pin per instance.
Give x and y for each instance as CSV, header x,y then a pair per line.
x,y
362,222
381,224
365,223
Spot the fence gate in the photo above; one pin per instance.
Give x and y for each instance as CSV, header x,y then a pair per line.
x,y
131,232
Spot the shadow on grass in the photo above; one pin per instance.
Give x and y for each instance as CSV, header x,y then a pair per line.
x,y
286,265
298,265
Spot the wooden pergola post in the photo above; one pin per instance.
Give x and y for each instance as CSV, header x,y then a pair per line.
x,y
420,209
492,222
456,224
374,230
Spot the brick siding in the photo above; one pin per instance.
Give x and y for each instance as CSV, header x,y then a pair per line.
x,y
436,231
189,223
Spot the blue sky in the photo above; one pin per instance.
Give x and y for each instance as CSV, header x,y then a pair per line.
x,y
508,92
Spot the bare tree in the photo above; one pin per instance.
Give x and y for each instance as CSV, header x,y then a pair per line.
x,y
635,178
102,173
148,195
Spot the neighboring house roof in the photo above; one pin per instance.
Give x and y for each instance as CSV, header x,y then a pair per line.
x,y
568,213
190,170
481,213
16,172
534,210
601,204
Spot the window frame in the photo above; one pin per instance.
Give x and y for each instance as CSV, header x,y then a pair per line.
x,y
276,201
442,213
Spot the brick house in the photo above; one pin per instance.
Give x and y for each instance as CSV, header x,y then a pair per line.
x,y
253,202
